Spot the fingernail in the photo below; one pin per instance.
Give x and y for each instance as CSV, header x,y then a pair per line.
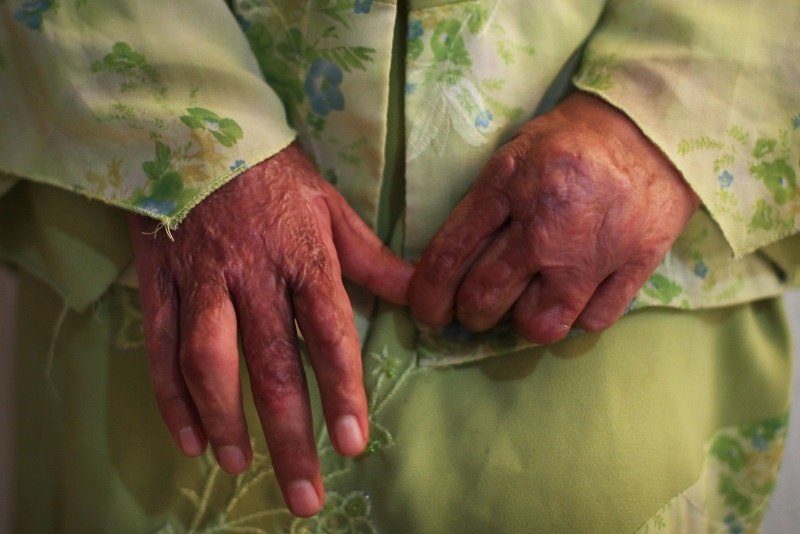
x,y
348,436
190,441
303,499
231,458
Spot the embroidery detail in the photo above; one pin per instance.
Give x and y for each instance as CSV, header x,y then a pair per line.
x,y
242,500
345,514
453,95
231,518
130,333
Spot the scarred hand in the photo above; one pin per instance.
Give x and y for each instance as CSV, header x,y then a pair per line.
x,y
563,226
267,248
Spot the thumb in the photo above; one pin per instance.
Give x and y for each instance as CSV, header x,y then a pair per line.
x,y
364,258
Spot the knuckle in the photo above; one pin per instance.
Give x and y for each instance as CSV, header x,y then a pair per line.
x,y
506,161
442,266
277,376
195,363
474,297
330,333
477,305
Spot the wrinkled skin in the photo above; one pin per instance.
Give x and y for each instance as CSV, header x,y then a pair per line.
x,y
266,249
563,226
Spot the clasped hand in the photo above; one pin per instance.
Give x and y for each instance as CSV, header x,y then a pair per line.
x,y
562,226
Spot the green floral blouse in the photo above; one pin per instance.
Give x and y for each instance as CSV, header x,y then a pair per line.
x,y
151,106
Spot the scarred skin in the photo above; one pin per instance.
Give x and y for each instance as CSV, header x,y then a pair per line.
x,y
564,224
266,249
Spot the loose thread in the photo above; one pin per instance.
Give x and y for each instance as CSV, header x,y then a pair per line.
x,y
159,227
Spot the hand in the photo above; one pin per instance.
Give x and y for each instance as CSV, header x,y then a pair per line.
x,y
268,247
564,225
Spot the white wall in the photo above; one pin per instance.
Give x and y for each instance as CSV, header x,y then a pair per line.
x,y
783,517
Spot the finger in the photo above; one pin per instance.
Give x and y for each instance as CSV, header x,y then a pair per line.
x,y
551,304
364,258
326,319
159,302
280,392
462,238
210,363
496,280
613,297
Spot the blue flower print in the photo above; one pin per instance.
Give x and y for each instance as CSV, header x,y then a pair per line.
x,y
700,269
415,30
362,6
410,88
31,13
734,527
484,119
725,179
244,24
322,87
760,442
238,164
796,121
455,332
161,207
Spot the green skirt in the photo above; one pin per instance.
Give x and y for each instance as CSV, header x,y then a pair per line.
x,y
670,421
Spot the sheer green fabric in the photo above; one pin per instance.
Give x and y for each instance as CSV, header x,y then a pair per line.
x,y
672,419
592,434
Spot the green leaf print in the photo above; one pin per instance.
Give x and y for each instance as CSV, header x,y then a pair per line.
x,y
685,146
729,451
349,57
165,182
662,288
415,48
130,64
295,49
226,131
762,218
764,147
279,74
596,71
733,497
155,169
477,16
779,177
448,45
767,430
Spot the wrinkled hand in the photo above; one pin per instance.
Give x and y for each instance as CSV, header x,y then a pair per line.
x,y
564,225
266,248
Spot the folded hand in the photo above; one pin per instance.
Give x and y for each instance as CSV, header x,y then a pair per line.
x,y
267,248
563,225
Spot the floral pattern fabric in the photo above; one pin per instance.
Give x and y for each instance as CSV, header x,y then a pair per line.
x,y
142,124
151,126
737,479
151,107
